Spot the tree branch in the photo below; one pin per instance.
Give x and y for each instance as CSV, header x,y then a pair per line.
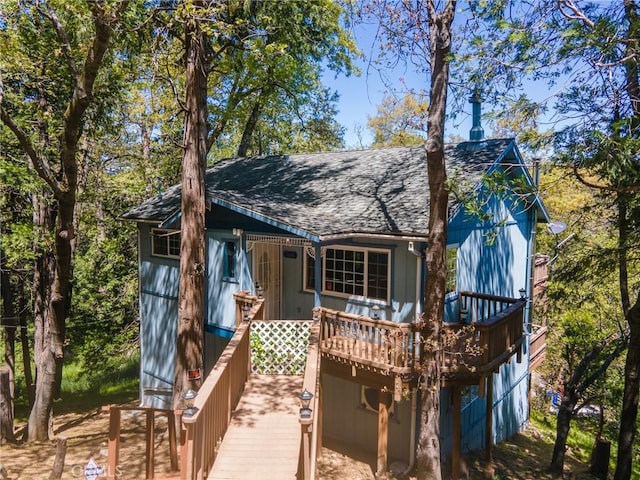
x,y
39,162
576,13
607,188
64,39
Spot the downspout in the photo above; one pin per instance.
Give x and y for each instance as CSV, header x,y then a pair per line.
x,y
140,310
317,275
530,280
420,279
414,432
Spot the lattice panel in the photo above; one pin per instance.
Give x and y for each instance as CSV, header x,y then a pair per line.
x,y
279,347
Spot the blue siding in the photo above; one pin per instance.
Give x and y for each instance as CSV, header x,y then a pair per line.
x,y
159,314
220,306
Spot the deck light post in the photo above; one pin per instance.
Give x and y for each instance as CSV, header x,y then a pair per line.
x,y
259,291
245,312
305,400
375,312
523,293
189,398
315,314
464,313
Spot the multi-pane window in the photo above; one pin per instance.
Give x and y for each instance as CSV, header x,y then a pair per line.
x,y
360,272
165,243
229,266
452,269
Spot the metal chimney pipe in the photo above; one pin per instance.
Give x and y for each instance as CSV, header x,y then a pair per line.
x,y
476,133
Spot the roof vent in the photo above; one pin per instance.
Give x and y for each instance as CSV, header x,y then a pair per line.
x,y
476,133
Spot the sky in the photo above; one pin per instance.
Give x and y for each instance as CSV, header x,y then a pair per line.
x,y
360,95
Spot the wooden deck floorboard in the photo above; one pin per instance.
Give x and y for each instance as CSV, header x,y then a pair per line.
x,y
263,439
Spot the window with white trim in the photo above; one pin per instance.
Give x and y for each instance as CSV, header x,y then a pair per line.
x,y
229,266
362,272
165,243
452,269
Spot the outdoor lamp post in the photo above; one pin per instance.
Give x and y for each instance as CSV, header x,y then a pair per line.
x,y
305,400
523,293
245,312
464,313
375,312
189,397
259,291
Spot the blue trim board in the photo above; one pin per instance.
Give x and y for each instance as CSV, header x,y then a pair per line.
x,y
264,219
157,294
219,331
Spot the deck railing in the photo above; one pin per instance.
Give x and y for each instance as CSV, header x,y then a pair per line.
x,y
311,434
478,348
379,344
538,346
478,307
218,395
491,333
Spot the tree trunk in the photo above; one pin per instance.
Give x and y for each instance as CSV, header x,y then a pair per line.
x,y
52,286
249,127
428,454
38,426
26,351
189,349
58,463
629,413
8,321
6,407
563,425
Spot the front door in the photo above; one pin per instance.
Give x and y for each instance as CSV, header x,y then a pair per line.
x,y
267,272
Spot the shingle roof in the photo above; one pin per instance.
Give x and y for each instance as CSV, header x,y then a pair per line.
x,y
362,191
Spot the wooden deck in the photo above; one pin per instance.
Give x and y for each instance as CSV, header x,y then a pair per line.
x,y
263,439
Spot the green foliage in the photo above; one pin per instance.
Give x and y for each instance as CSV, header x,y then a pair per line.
x,y
399,122
584,309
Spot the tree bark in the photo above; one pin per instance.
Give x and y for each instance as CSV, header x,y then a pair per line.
x,y
8,322
629,413
428,454
563,425
26,351
249,127
38,425
189,347
6,407
58,463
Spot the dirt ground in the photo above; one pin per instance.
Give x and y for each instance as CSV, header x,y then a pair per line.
x,y
522,458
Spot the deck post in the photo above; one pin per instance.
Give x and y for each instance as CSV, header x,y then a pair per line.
x,y
383,431
114,443
173,448
455,450
489,419
306,447
150,440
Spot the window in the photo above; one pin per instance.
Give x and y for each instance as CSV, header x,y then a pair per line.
x,y
452,269
370,400
229,265
165,243
346,272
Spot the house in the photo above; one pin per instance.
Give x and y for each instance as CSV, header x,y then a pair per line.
x,y
347,231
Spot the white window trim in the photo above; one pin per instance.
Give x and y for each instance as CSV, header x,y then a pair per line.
x,y
162,232
333,293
